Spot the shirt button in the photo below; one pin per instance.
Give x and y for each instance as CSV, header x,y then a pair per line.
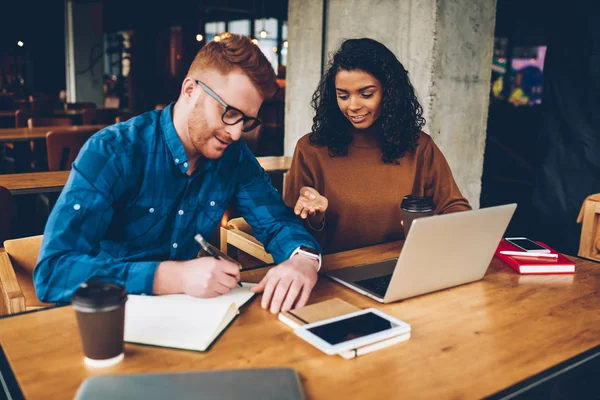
x,y
185,164
174,245
176,160
180,212
76,207
212,203
151,210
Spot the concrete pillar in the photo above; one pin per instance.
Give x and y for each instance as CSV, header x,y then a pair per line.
x,y
84,51
446,45
304,67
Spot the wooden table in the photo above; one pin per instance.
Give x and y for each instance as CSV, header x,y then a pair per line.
x,y
77,113
68,113
467,342
44,182
275,163
38,133
34,182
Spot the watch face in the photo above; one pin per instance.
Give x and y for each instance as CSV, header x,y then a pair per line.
x,y
309,250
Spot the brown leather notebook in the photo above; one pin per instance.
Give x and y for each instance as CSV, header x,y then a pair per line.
x,y
330,309
317,312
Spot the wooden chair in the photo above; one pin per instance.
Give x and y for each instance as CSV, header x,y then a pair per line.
x,y
80,105
43,104
93,116
38,150
47,121
64,145
112,102
21,118
589,245
17,261
238,234
5,214
31,157
124,116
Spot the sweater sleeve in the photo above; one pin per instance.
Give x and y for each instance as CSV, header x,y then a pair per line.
x,y
440,183
301,174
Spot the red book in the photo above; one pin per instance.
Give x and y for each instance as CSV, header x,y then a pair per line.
x,y
535,265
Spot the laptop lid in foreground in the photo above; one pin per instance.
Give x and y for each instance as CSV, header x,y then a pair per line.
x,y
246,384
448,250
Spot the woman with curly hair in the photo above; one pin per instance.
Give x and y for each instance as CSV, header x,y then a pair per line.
x,y
366,151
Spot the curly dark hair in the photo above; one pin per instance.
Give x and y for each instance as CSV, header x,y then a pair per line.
x,y
401,116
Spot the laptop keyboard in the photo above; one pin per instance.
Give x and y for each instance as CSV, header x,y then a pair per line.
x,y
377,285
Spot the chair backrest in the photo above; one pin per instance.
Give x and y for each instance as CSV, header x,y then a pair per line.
x,y
5,214
23,254
238,235
104,116
88,116
112,102
21,117
589,217
80,105
43,104
124,116
64,145
47,121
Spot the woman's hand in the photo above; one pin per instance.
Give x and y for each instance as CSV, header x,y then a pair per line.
x,y
311,203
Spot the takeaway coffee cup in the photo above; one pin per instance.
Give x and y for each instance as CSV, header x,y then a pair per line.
x,y
100,311
414,207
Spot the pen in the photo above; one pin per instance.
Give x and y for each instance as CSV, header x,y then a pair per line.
x,y
526,254
207,249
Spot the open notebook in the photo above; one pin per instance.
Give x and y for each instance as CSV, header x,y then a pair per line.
x,y
181,321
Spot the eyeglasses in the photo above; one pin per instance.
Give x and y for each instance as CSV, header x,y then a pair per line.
x,y
232,115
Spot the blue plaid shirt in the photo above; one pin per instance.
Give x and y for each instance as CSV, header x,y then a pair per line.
x,y
128,205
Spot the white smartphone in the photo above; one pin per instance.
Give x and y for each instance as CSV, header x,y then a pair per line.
x,y
527,245
351,331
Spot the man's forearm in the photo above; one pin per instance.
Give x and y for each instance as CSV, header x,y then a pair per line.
x,y
167,279
58,275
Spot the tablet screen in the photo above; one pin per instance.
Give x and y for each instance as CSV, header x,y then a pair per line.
x,y
352,328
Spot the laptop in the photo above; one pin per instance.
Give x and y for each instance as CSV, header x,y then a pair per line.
x,y
440,251
243,384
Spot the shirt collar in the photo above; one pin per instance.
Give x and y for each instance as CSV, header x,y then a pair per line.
x,y
174,142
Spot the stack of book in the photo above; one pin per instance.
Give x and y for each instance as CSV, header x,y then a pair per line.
x,y
534,263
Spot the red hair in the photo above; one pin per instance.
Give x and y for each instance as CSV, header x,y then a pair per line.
x,y
231,51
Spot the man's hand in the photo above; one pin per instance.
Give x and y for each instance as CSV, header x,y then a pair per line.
x,y
200,277
289,284
310,203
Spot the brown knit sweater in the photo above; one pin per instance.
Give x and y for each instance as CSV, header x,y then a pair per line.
x,y
364,193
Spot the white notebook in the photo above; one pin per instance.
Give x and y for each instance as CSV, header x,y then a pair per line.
x,y
181,321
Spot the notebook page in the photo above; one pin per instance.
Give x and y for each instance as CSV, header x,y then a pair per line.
x,y
181,321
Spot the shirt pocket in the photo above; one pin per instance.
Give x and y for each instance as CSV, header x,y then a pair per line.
x,y
143,222
211,213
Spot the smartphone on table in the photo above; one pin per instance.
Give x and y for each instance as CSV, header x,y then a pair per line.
x,y
527,245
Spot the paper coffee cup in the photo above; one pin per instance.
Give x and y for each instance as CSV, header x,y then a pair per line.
x,y
100,310
414,207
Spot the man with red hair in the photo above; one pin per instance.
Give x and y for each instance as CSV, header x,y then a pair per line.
x,y
140,190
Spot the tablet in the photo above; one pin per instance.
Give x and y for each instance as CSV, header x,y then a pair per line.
x,y
350,331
